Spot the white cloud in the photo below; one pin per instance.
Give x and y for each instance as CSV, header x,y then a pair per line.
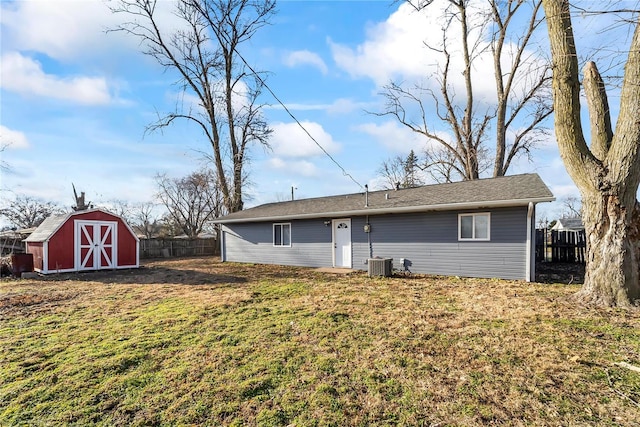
x,y
396,137
305,57
339,106
12,138
59,29
290,141
562,191
346,105
396,50
299,167
24,75
392,48
71,29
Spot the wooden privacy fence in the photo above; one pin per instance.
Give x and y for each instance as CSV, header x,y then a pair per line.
x,y
560,246
159,248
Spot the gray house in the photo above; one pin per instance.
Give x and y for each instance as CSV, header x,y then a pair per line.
x,y
482,228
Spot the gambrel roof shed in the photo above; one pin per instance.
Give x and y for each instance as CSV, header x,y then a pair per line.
x,y
83,240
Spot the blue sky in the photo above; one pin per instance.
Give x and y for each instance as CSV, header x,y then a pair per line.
x,y
75,101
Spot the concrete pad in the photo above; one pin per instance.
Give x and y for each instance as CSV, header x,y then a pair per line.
x,y
333,270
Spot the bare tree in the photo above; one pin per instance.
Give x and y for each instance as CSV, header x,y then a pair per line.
x,y
191,201
169,227
607,172
542,222
146,219
27,211
122,208
440,164
204,54
571,207
522,99
401,172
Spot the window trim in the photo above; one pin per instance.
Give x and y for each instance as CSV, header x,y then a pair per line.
x,y
273,236
473,227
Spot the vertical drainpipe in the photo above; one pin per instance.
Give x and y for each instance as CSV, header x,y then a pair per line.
x,y
369,238
366,205
531,267
221,238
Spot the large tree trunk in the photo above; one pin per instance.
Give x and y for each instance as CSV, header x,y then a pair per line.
x,y
607,173
612,269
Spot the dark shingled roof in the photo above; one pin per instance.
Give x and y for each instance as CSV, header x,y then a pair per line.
x,y
516,190
569,224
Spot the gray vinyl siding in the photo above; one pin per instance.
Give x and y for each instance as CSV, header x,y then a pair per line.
x,y
253,242
429,241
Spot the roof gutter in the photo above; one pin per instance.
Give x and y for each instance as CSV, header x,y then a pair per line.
x,y
393,210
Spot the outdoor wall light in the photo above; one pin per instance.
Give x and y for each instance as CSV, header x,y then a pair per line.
x,y
327,223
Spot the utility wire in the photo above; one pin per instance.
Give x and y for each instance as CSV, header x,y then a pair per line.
x,y
344,172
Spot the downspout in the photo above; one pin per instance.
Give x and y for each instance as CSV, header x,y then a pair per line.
x,y
45,257
531,267
366,205
369,238
222,245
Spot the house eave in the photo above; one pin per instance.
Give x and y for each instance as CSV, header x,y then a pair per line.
x,y
392,210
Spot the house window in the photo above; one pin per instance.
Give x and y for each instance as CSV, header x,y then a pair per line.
x,y
281,234
474,226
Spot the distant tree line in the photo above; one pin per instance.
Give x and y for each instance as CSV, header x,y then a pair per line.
x,y
181,206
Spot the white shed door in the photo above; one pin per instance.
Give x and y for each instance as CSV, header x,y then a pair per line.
x,y
342,243
95,244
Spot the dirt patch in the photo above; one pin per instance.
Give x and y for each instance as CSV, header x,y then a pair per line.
x,y
147,275
560,272
25,300
184,271
209,270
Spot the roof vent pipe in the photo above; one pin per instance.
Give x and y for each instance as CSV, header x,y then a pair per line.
x,y
366,195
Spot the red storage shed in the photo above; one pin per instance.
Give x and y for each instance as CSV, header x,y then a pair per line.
x,y
83,240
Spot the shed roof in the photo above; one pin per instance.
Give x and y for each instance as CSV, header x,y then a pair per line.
x,y
51,224
47,228
515,190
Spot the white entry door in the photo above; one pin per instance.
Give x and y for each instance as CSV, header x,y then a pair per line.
x,y
342,243
95,244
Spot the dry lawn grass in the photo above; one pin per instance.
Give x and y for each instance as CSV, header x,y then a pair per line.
x,y
194,341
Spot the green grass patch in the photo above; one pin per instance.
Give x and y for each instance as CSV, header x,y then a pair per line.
x,y
270,346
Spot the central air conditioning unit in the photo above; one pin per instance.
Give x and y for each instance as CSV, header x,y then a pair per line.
x,y
380,266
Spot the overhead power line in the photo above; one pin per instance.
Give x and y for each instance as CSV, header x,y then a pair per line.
x,y
344,171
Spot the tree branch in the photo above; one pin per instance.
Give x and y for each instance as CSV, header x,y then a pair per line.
x,y
599,117
566,97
